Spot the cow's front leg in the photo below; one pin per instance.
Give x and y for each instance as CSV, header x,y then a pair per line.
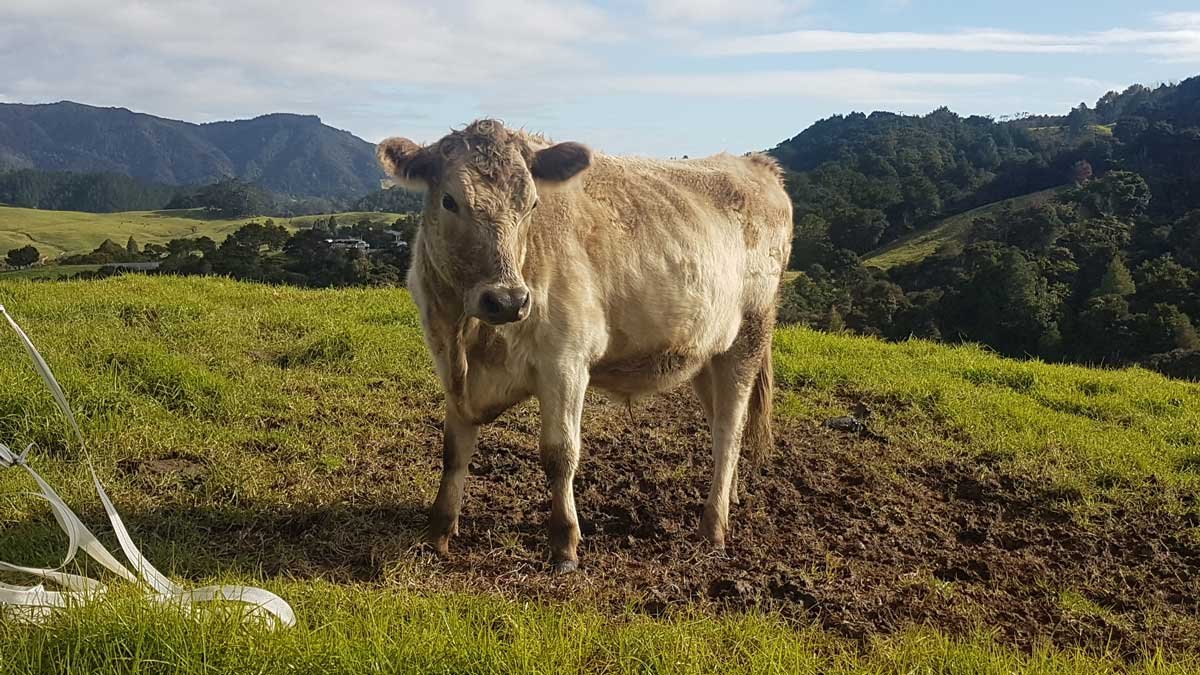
x,y
562,409
459,438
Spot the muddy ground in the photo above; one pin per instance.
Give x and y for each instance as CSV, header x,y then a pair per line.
x,y
857,534
844,529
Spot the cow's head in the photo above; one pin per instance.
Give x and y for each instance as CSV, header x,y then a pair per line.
x,y
481,186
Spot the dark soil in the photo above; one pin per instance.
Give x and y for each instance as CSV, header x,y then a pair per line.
x,y
180,468
838,528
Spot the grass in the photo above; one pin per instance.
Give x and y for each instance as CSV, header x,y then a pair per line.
x,y
56,233
372,631
917,246
297,403
48,271
1093,433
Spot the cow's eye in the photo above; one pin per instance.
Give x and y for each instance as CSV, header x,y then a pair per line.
x,y
536,202
449,204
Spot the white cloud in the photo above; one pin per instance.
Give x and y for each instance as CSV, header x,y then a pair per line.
x,y
852,85
816,41
1179,20
712,11
1178,40
230,58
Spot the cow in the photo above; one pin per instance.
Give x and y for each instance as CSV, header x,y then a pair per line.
x,y
541,269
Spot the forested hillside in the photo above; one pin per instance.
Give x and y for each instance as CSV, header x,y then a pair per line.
x,y
1105,271
91,192
229,198
861,181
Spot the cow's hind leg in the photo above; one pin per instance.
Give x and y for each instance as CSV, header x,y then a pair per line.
x,y
733,375
459,440
703,385
562,409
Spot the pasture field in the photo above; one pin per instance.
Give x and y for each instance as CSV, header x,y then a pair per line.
x,y
991,516
916,246
57,233
48,271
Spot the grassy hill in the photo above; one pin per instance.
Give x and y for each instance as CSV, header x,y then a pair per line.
x,y
994,516
55,233
919,245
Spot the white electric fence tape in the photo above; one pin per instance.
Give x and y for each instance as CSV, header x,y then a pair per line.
x,y
36,603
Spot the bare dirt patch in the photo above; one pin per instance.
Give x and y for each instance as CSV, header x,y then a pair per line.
x,y
839,528
175,467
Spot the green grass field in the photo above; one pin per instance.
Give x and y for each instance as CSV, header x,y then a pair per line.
x,y
305,407
56,233
919,245
48,271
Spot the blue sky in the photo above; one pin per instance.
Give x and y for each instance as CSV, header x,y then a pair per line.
x,y
654,77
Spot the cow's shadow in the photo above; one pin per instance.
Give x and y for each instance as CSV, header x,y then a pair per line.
x,y
341,542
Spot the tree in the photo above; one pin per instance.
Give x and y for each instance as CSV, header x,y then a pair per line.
x,y
1128,129
810,241
857,229
1173,329
1079,119
1081,172
921,199
391,200
1103,330
1185,237
131,247
258,236
1162,280
231,198
23,257
1122,194
110,251
833,321
1116,280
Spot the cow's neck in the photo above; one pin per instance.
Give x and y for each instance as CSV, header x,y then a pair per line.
x,y
467,349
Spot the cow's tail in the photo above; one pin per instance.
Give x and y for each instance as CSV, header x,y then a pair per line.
x,y
758,441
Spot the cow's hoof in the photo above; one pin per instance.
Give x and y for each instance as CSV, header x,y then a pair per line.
x,y
439,545
566,566
712,532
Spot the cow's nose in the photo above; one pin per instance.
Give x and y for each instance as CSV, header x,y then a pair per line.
x,y
501,304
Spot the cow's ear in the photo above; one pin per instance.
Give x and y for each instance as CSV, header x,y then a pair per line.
x,y
561,162
410,165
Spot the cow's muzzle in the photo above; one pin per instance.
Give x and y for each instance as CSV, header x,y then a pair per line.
x,y
503,304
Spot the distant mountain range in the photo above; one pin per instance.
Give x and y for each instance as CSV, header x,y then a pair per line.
x,y
287,154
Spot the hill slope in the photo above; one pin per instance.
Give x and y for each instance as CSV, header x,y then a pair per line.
x,y
997,515
55,233
919,245
284,153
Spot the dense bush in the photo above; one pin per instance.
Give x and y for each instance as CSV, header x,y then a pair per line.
x,y
268,253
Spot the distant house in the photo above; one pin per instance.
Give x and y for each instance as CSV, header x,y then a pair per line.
x,y
397,238
349,244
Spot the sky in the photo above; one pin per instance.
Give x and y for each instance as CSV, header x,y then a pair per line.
x,y
650,77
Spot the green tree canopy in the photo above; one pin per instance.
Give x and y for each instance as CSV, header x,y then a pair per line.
x,y
1117,280
23,257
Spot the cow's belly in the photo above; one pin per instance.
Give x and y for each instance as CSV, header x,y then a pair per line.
x,y
635,375
660,335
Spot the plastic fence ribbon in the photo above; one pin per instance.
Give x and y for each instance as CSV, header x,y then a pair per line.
x,y
35,603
